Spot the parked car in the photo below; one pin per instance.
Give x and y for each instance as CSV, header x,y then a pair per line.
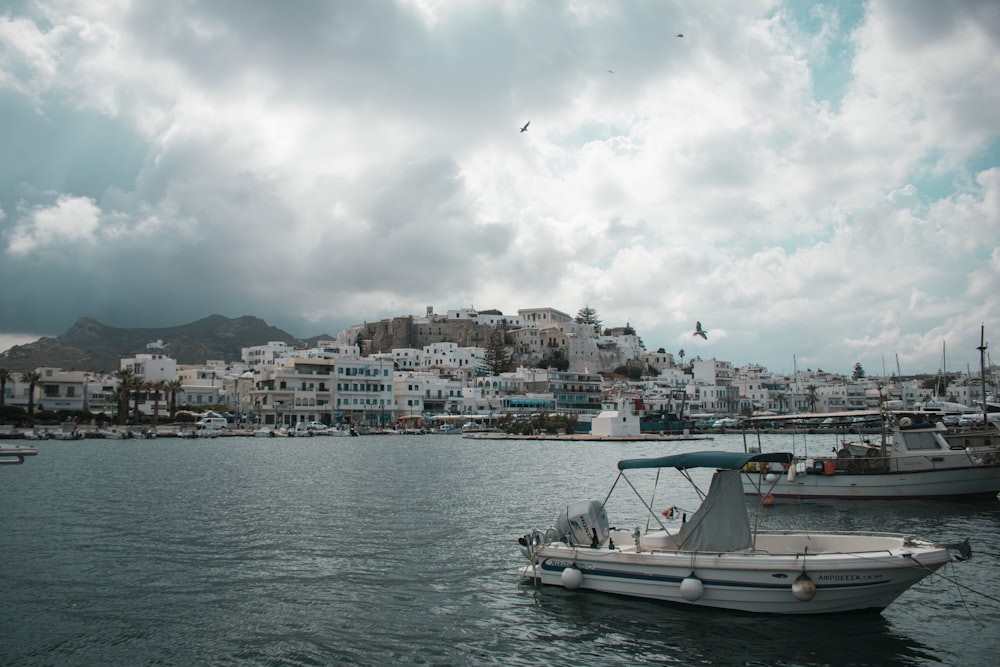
x,y
311,426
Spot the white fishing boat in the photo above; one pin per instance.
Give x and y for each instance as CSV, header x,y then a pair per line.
x,y
914,460
715,559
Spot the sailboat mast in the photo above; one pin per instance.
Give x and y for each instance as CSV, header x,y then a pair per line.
x,y
982,372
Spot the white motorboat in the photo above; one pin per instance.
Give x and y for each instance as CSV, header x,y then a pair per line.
x,y
15,455
116,434
269,432
915,460
715,559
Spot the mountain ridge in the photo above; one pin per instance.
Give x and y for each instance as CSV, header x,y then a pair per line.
x,y
91,345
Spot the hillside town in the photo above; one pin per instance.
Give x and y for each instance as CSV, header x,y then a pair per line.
x,y
466,364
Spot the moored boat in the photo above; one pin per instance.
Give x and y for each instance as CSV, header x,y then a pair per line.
x,y
915,460
15,455
715,559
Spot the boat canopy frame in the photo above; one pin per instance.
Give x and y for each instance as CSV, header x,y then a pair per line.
x,y
720,461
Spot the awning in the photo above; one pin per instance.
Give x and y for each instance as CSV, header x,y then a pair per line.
x,y
726,460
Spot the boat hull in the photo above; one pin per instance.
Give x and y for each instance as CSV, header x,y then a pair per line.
x,y
752,581
970,482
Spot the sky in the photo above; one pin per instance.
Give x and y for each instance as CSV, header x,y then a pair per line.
x,y
818,183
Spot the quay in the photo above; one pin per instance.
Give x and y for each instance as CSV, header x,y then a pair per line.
x,y
585,437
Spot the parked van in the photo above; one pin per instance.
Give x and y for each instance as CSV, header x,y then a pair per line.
x,y
211,423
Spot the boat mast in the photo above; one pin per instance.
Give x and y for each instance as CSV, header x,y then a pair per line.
x,y
982,372
944,371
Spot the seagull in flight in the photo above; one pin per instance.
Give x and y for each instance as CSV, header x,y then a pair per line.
x,y
698,331
680,34
525,128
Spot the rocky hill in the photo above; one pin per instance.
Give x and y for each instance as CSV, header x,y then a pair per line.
x,y
89,345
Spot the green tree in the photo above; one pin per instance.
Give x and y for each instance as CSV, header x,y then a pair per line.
x,y
588,315
4,377
811,397
556,361
139,385
175,387
157,387
32,379
632,370
497,359
859,371
125,379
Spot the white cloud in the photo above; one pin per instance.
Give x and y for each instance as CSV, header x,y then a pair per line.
x,y
70,219
323,164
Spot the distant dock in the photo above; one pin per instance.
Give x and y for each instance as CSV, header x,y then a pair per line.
x,y
652,437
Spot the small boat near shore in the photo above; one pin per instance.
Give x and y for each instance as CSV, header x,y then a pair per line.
x,y
715,559
12,456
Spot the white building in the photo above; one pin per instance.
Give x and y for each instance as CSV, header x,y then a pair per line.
x,y
151,367
273,354
450,356
408,358
493,318
541,317
617,420
363,390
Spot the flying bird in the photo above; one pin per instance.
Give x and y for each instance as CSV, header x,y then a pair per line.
x,y
698,331
611,71
525,128
680,35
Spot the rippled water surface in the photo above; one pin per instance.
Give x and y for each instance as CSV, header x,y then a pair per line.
x,y
371,550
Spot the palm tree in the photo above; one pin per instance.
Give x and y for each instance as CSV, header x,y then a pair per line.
x,y
157,386
175,387
4,376
124,377
780,398
138,385
32,379
811,397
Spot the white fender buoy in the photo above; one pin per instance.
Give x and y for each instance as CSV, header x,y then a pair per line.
x,y
692,588
771,478
803,588
571,578
791,473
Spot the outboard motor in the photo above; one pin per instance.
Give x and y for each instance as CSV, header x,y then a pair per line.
x,y
583,524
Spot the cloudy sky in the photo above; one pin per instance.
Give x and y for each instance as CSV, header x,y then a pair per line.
x,y
813,181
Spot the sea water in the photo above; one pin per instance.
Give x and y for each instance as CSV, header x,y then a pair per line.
x,y
402,549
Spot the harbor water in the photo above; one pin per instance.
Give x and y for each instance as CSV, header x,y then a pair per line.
x,y
402,549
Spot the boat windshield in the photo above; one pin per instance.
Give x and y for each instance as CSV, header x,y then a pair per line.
x,y
921,441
